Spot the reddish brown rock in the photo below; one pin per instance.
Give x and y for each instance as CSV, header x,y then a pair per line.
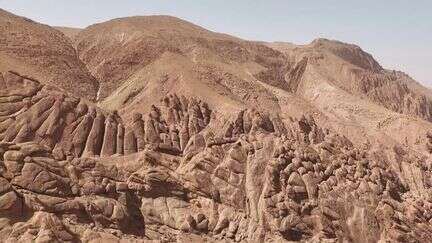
x,y
138,130
109,142
95,137
81,132
120,139
130,143
262,142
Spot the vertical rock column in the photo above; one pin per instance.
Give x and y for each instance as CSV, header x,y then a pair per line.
x,y
109,144
138,130
94,141
120,139
184,132
81,132
130,145
152,126
47,132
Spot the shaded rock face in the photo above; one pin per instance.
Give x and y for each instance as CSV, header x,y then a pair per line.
x,y
71,172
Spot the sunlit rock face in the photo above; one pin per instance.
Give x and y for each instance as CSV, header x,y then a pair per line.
x,y
196,136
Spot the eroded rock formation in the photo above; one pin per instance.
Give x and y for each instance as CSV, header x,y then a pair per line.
x,y
74,127
71,172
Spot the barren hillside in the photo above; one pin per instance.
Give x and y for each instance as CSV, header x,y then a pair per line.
x,y
42,52
138,60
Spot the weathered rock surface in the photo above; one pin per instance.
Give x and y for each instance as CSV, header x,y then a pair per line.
x,y
177,174
74,127
227,149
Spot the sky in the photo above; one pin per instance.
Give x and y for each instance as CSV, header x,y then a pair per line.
x,y
398,33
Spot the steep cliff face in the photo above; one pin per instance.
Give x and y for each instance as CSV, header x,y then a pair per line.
x,y
44,53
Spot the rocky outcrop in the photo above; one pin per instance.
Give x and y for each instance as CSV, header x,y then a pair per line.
x,y
179,173
293,183
70,126
192,140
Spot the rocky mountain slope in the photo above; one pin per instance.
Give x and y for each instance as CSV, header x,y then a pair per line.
x,y
42,52
186,135
141,59
357,73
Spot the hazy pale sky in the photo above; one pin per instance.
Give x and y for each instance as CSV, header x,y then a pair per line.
x,y
398,33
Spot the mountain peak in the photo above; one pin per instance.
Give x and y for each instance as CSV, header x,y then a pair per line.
x,y
156,25
349,52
